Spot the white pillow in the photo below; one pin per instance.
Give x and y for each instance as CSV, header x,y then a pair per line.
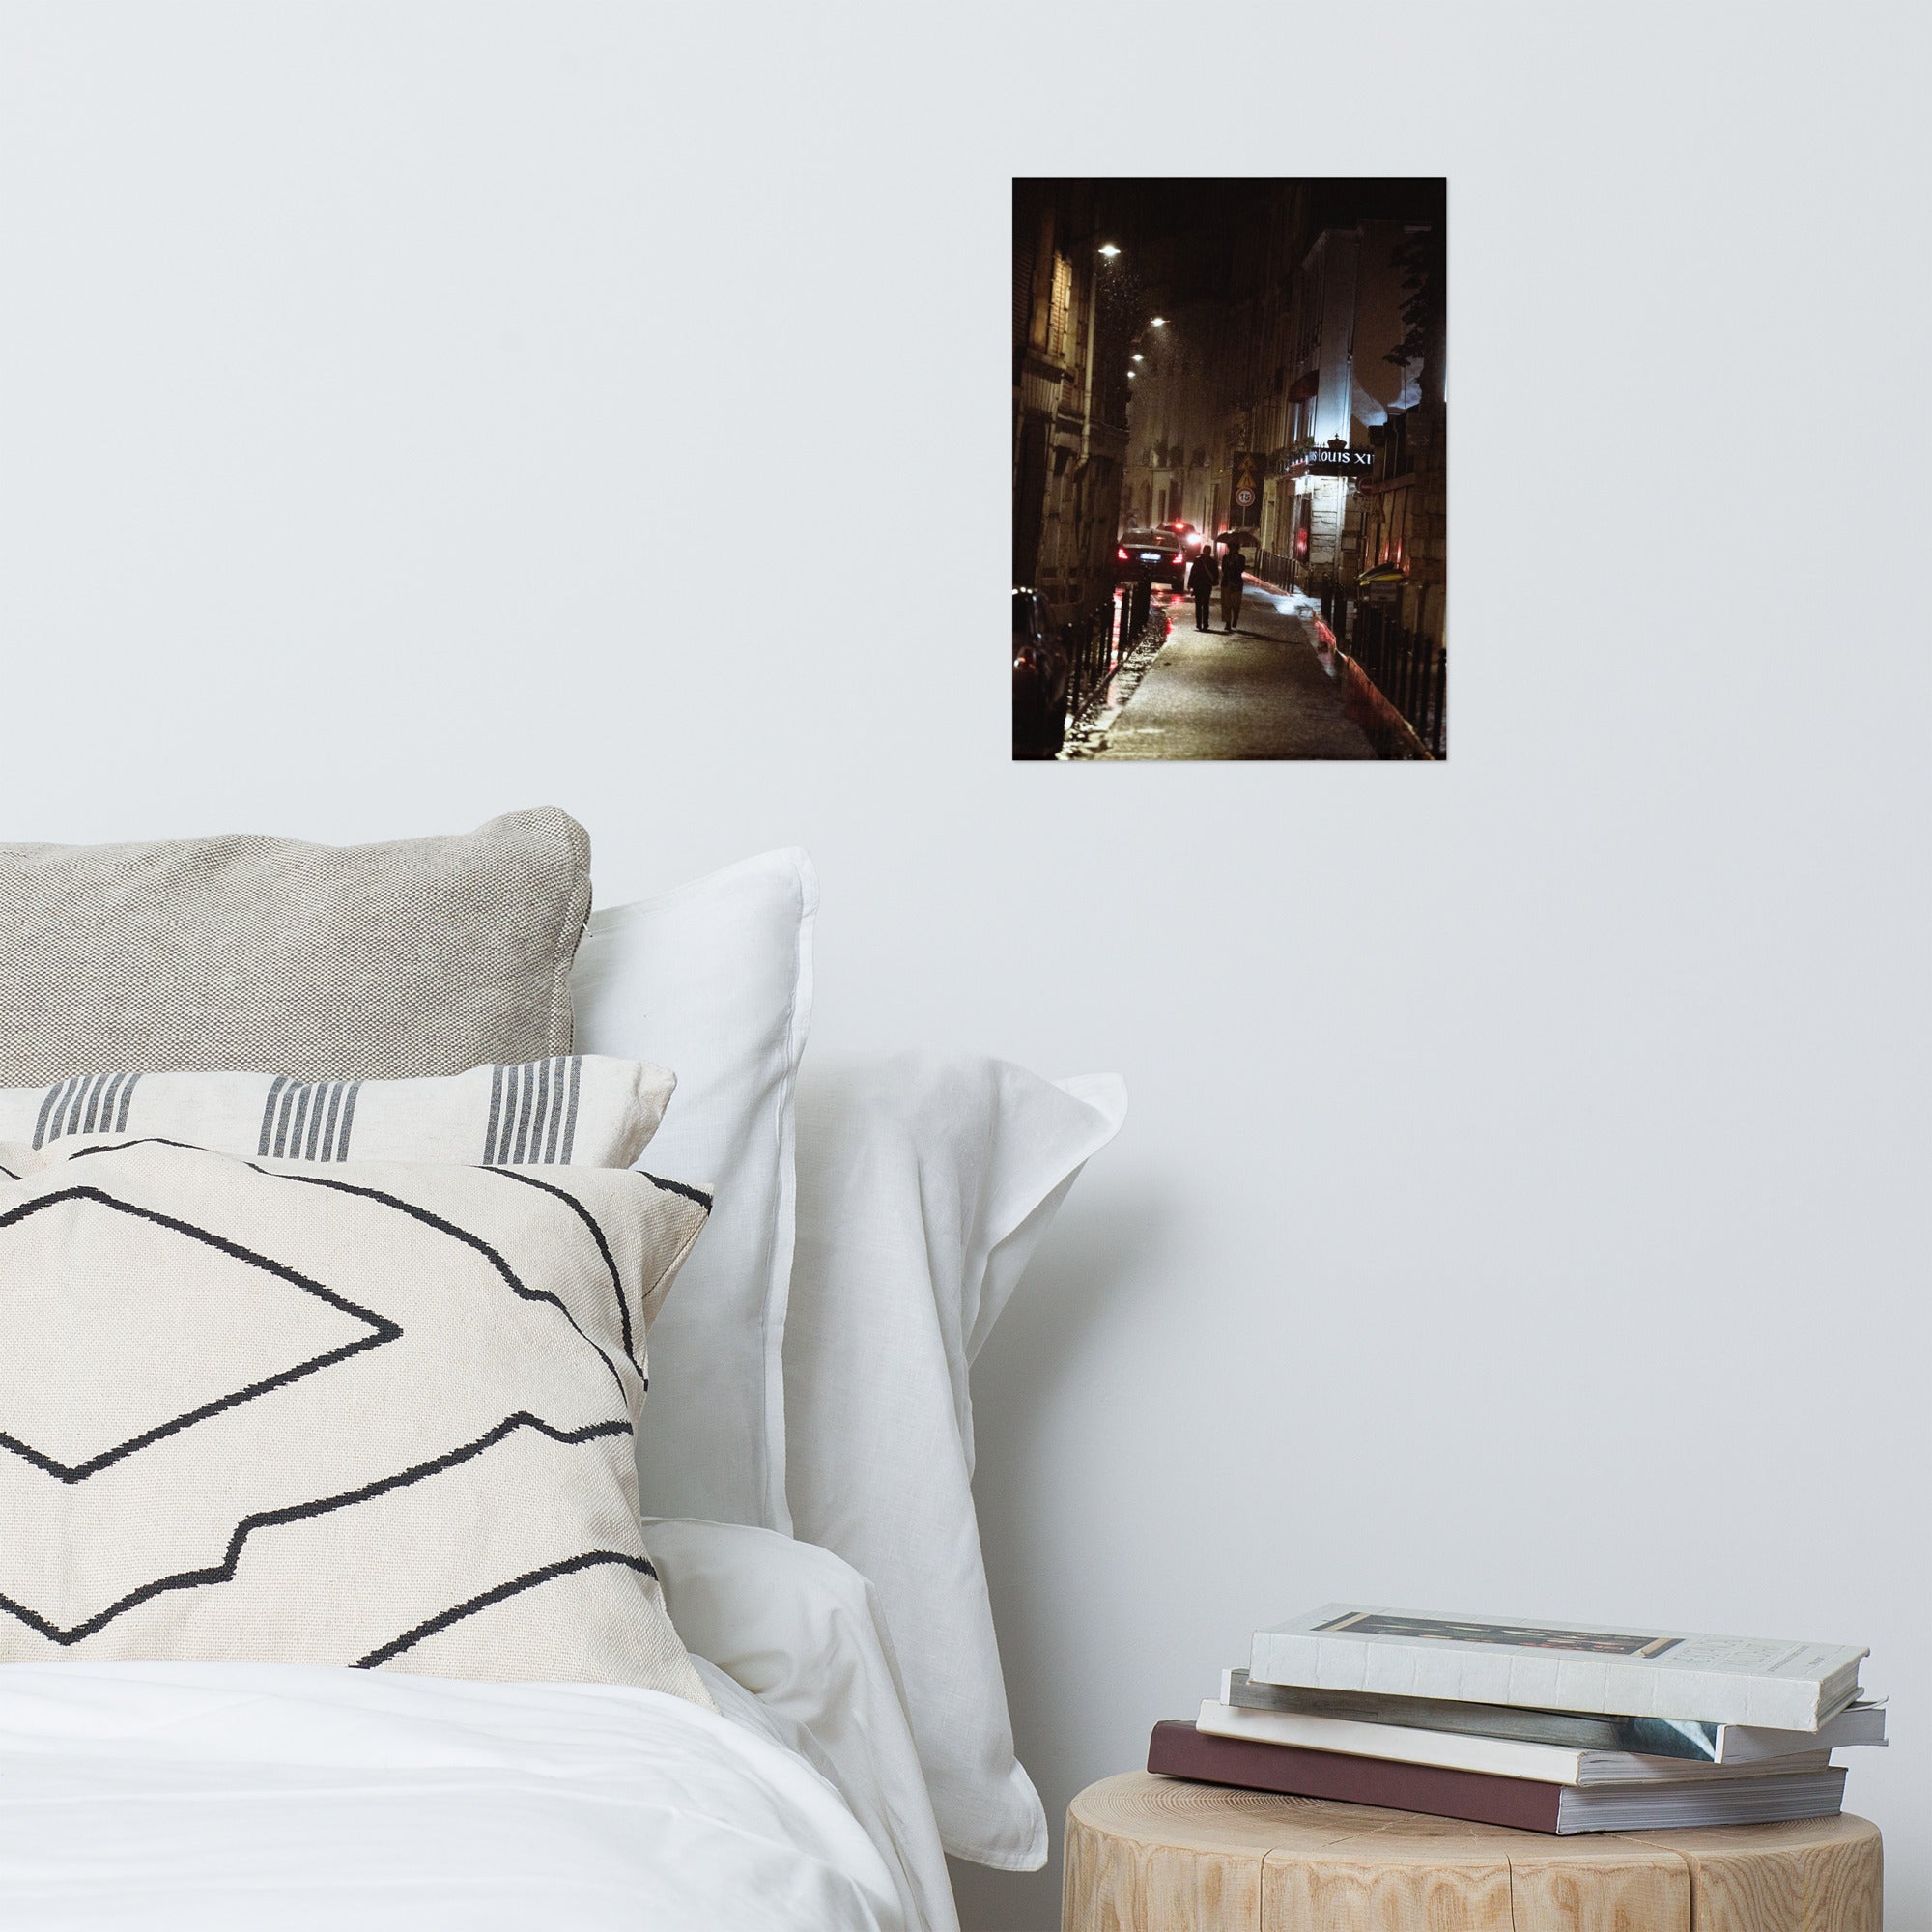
x,y
800,1631
714,981
925,1180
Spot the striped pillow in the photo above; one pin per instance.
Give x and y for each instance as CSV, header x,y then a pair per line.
x,y
377,1414
571,1109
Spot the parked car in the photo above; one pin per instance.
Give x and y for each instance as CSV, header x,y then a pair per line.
x,y
1040,670
1157,556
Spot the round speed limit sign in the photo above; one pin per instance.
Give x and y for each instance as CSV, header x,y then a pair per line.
x,y
1245,497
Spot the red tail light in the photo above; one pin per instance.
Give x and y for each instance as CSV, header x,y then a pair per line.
x,y
1122,555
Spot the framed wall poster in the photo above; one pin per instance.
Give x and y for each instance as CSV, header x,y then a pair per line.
x,y
1229,469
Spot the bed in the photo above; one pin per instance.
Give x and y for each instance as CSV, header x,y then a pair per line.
x,y
719,1657
229,1793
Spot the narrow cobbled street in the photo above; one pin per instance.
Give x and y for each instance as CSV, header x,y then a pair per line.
x,y
1264,691
1215,369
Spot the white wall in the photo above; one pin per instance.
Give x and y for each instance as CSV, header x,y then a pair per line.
x,y
1524,1201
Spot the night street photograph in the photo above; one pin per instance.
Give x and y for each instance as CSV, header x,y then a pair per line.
x,y
1229,469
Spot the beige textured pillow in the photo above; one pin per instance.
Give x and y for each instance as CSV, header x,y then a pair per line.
x,y
371,1415
321,962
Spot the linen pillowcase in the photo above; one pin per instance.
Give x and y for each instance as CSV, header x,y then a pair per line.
x,y
377,1414
575,1109
926,1181
714,979
424,957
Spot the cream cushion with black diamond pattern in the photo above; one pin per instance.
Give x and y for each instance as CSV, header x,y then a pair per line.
x,y
373,1414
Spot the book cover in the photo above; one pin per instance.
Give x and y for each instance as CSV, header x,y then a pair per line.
x,y
1763,1682
1857,1723
1495,1757
1181,1750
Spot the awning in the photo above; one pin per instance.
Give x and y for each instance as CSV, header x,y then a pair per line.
x,y
1384,576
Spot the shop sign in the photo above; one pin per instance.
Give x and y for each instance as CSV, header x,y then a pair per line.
x,y
1355,463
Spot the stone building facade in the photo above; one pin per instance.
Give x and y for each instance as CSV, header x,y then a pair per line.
x,y
1182,420
1070,394
1322,374
1189,358
1404,519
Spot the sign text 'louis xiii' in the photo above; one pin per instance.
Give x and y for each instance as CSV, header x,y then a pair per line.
x,y
1355,463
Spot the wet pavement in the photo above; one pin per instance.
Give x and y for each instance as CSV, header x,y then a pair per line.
x,y
1264,691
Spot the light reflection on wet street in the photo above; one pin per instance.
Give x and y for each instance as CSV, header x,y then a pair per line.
x,y
1264,690
1087,734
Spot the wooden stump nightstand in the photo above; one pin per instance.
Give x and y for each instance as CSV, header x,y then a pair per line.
x,y
1148,1854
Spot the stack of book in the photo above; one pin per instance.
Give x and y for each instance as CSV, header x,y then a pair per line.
x,y
1547,1727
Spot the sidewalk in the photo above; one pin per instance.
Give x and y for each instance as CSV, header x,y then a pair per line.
x,y
1261,693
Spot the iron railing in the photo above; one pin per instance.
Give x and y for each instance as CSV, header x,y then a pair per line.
x,y
1097,645
1410,670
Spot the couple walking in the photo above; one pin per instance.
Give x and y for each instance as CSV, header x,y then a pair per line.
x,y
1201,578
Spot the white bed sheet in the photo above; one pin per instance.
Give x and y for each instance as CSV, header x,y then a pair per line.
x,y
801,1629
223,1796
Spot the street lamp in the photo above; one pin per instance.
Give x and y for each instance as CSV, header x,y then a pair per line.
x,y
1161,322
1137,356
1108,249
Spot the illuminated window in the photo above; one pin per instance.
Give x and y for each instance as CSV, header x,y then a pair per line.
x,y
1060,313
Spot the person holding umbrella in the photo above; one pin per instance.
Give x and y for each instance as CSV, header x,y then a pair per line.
x,y
1231,567
1200,578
